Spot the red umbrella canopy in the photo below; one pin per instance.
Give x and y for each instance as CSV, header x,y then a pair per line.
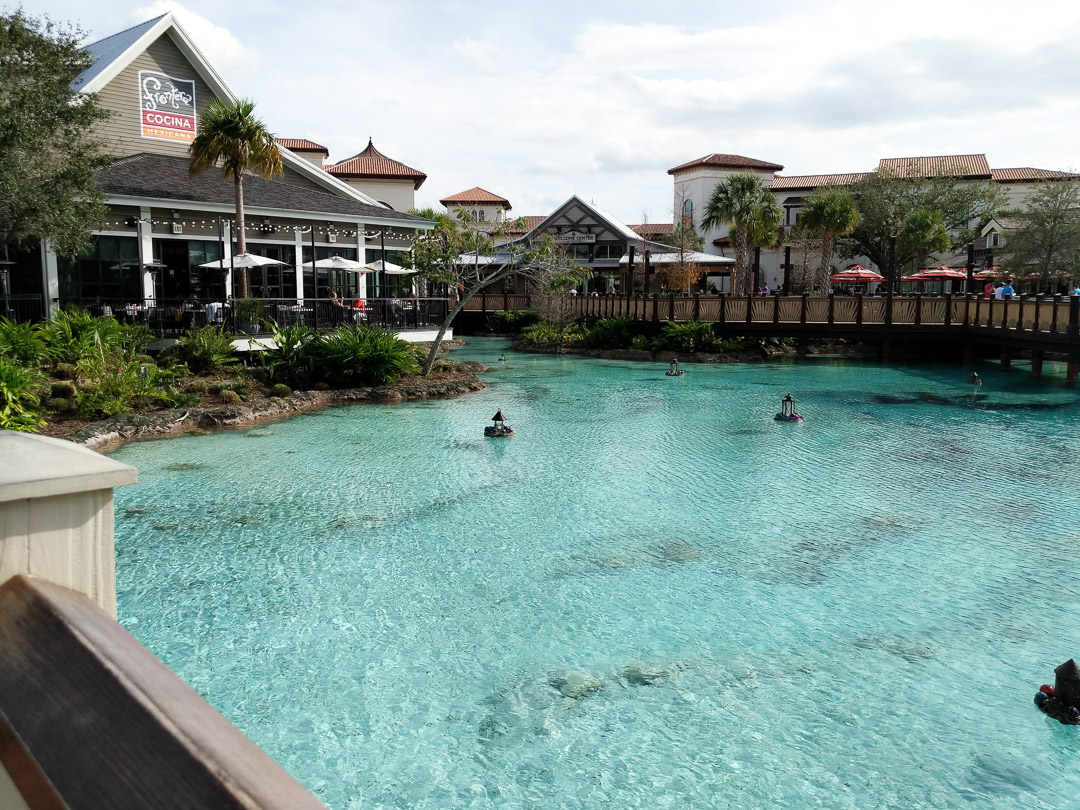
x,y
856,274
989,272
942,273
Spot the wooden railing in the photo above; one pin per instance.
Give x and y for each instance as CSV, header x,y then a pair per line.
x,y
1046,315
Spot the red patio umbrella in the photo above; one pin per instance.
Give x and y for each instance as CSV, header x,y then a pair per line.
x,y
942,273
856,274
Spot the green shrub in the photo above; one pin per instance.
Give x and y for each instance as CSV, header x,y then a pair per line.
x,y
280,390
611,333
22,344
291,359
230,398
60,405
65,371
641,342
216,389
511,321
550,334
321,386
145,360
258,374
358,354
75,336
125,386
62,390
204,349
198,387
692,336
18,398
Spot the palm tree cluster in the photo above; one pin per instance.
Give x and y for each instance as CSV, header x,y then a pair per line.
x,y
743,203
828,214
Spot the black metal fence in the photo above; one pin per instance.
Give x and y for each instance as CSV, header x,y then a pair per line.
x,y
253,316
22,308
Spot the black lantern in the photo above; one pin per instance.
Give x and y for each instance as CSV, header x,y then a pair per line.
x,y
787,407
1067,683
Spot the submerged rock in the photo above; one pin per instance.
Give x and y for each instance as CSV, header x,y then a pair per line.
x,y
636,676
183,466
576,684
165,527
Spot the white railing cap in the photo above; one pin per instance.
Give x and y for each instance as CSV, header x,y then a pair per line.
x,y
41,466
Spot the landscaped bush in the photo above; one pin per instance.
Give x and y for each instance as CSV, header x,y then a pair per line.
x,y
290,361
280,390
511,321
550,334
125,387
198,387
61,390
216,389
18,398
641,343
611,333
321,386
64,371
230,398
692,336
203,350
359,354
21,343
60,405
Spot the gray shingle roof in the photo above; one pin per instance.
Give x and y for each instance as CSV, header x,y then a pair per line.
x,y
106,50
166,177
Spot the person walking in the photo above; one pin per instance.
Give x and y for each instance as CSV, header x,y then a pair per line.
x,y
1007,290
998,287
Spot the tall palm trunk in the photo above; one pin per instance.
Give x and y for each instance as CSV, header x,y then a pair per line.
x,y
244,290
742,261
828,243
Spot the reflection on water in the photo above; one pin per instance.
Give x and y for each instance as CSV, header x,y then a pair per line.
x,y
651,596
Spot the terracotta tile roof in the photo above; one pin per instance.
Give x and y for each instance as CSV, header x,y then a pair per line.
x,y
809,181
301,145
530,223
1029,175
726,162
476,196
374,164
966,166
652,230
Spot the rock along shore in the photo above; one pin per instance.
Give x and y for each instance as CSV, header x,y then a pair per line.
x,y
757,354
110,433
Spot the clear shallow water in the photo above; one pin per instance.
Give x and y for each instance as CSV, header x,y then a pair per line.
x,y
853,612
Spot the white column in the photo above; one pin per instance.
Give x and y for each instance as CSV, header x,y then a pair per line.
x,y
298,240
50,278
227,242
146,252
361,255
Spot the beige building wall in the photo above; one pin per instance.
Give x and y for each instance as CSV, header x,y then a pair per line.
x,y
398,194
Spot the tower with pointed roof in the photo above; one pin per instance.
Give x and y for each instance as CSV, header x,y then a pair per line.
x,y
389,181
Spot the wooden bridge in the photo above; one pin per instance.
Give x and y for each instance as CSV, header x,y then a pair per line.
x,y
1037,324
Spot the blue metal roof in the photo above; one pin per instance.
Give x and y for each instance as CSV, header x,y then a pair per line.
x,y
106,51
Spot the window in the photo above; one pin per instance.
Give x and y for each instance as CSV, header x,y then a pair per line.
x,y
480,215
578,252
688,214
608,252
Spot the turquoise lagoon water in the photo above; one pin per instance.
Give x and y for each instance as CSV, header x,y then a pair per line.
x,y
853,612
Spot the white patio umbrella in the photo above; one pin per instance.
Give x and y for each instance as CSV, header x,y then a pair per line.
x,y
242,260
391,269
339,263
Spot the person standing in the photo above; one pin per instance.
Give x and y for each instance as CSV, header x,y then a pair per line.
x,y
1007,290
998,287
988,290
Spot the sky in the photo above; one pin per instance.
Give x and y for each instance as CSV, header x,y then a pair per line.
x,y
539,101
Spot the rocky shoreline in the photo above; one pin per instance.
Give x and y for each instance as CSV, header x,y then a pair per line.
x,y
109,434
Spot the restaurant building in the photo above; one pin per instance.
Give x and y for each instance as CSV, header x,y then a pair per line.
x,y
162,224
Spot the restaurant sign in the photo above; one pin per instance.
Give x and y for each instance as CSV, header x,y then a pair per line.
x,y
575,238
166,106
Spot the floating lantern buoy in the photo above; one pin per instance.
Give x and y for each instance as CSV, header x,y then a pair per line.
x,y
502,358
1062,700
974,379
674,370
787,410
499,429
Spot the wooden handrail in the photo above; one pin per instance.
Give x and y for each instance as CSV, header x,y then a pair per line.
x,y
89,718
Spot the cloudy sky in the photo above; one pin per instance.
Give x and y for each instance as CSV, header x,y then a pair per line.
x,y
538,101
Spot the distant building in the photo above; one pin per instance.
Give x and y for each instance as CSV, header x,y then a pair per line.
x,y
481,206
389,181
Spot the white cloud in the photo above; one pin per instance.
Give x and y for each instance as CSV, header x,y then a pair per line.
x,y
220,47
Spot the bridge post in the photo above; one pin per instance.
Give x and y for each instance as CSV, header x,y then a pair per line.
x,y
1004,312
1006,359
888,306
671,308
483,302
1072,368
967,308
918,309
776,307
832,304
948,309
749,306
1054,315
802,348
697,306
1035,326
506,301
1074,317
858,309
721,315
1036,362
656,307
802,310
969,352
1020,315
978,306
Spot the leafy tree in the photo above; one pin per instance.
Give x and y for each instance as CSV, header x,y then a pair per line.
x,y
681,274
459,254
48,152
827,214
1046,241
743,203
922,233
554,275
229,136
886,201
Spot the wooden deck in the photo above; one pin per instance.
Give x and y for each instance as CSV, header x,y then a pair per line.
x,y
1039,324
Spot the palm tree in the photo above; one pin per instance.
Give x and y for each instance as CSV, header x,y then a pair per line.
x,y
230,136
828,214
741,202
